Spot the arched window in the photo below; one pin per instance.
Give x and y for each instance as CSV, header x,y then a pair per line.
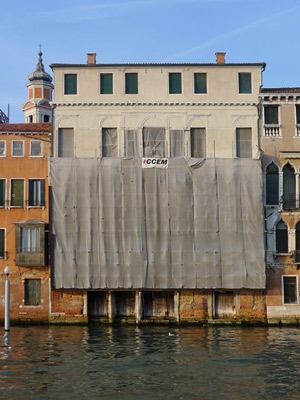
x,y
272,185
289,187
281,238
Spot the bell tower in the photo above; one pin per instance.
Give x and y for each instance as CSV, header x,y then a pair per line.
x,y
37,108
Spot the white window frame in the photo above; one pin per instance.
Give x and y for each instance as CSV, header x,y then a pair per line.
x,y
35,140
28,186
4,257
181,81
37,239
3,141
12,148
267,104
63,86
282,289
107,73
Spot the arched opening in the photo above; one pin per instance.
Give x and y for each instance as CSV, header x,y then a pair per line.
x,y
289,187
272,185
281,238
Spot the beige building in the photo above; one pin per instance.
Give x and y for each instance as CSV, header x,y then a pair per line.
x,y
209,110
178,243
280,143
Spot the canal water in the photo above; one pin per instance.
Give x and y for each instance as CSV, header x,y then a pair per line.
x,y
96,362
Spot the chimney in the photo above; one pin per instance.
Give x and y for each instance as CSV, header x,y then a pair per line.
x,y
220,57
91,58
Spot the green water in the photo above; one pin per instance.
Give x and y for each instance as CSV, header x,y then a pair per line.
x,y
148,363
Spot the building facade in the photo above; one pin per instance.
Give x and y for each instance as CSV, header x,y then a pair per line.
x,y
24,219
178,243
281,154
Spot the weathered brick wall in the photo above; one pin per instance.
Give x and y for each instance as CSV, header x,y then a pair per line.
x,y
253,305
18,309
67,302
193,305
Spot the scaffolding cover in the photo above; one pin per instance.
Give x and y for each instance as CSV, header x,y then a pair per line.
x,y
197,224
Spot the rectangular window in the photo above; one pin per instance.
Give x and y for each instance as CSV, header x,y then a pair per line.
x,y
131,83
30,240
32,292
131,143
36,194
176,143
2,148
245,83
297,114
271,115
109,142
198,142
70,83
65,142
154,142
200,83
17,148
17,193
2,243
106,83
175,83
244,142
290,290
2,192
35,148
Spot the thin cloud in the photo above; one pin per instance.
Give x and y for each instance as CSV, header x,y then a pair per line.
x,y
228,35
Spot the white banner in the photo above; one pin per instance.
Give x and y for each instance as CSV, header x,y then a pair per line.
x,y
155,162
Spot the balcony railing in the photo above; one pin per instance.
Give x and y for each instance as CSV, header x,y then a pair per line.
x,y
272,130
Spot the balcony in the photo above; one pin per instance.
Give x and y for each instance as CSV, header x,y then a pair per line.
x,y
272,130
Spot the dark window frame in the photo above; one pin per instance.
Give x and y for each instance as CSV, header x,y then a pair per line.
x,y
70,88
282,240
290,289
18,202
2,242
37,198
268,117
272,179
2,192
200,91
173,85
131,85
103,84
245,87
31,298
239,152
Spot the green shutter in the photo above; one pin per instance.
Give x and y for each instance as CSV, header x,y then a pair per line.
x,y
298,114
106,83
32,292
42,192
200,83
271,115
174,82
244,83
2,192
131,83
71,84
2,238
17,192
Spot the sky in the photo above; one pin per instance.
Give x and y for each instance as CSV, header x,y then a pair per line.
x,y
125,31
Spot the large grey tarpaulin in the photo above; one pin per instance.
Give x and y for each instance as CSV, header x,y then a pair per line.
x,y
197,224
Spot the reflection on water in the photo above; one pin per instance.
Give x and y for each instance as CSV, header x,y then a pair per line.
x,y
128,362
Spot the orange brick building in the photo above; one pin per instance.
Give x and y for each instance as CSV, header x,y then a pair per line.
x,y
24,218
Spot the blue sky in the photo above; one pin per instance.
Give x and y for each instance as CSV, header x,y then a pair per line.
x,y
146,31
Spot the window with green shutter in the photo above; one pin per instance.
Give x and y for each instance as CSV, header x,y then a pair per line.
x,y
271,115
174,82
2,192
245,83
200,83
106,83
298,114
36,196
32,292
70,83
131,83
2,243
17,193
